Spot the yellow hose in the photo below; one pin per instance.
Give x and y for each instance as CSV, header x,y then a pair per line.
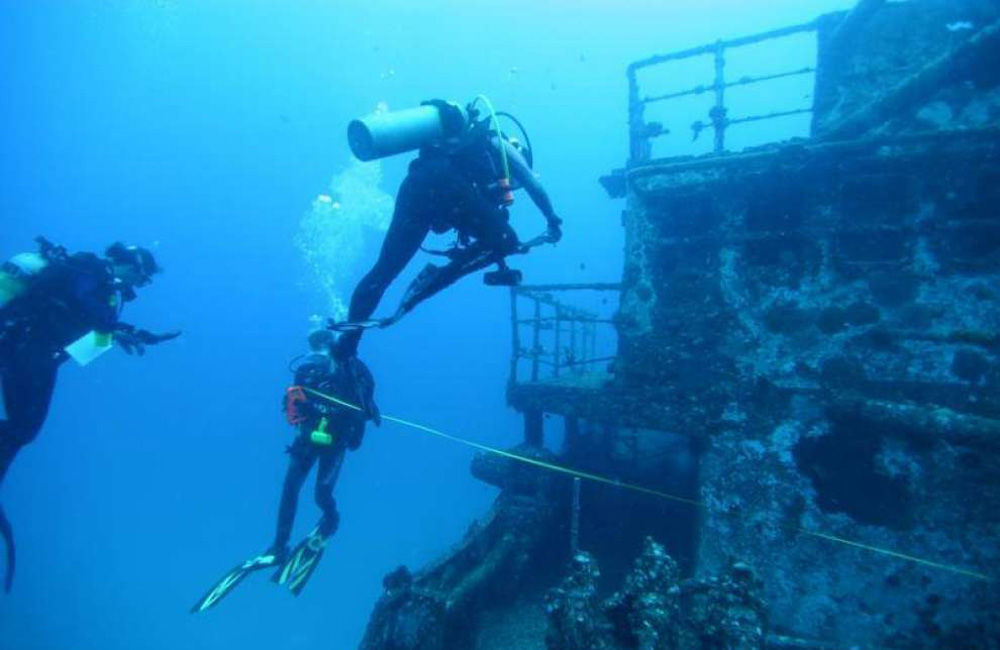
x,y
496,125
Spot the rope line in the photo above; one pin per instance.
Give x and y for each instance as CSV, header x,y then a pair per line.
x,y
597,478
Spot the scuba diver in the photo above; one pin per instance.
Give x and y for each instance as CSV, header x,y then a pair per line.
x,y
462,180
55,306
327,430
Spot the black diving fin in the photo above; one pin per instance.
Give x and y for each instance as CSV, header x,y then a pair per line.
x,y
302,562
8,537
433,279
232,579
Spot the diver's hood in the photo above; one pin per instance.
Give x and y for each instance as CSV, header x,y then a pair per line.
x,y
135,256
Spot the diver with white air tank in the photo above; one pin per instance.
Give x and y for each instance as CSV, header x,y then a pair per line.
x,y
463,180
56,306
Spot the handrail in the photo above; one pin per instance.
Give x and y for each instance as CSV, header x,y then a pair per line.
x,y
743,81
572,331
642,132
734,42
591,286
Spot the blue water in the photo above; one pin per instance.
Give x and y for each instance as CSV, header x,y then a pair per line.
x,y
206,129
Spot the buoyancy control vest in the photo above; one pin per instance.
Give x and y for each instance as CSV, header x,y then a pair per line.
x,y
65,302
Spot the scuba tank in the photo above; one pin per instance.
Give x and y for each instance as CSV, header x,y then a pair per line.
x,y
16,274
390,132
436,122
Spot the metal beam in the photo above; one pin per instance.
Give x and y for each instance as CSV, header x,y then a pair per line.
x,y
594,286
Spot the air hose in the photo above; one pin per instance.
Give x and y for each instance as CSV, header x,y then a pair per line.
x,y
524,133
505,185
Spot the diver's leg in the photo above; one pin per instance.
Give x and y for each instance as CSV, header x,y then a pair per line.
x,y
301,459
406,233
8,446
7,453
491,226
304,558
433,279
28,383
494,239
402,241
326,478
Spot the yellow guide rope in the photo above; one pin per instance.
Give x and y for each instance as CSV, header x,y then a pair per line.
x,y
597,478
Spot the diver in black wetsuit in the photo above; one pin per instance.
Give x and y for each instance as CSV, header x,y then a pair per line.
x,y
54,305
327,431
450,186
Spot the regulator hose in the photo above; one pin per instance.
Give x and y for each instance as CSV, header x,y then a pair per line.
x,y
496,125
530,157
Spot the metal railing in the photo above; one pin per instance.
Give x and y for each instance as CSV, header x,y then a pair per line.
x,y
572,333
641,132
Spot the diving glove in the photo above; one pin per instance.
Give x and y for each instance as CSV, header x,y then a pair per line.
x,y
134,340
554,231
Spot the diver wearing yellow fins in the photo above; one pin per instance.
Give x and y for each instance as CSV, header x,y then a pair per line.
x,y
463,180
326,432
55,306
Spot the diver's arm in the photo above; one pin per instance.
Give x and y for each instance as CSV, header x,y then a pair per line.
x,y
522,173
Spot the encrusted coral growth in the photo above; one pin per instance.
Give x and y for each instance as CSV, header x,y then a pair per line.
x,y
655,609
575,621
441,607
646,612
828,334
727,612
405,619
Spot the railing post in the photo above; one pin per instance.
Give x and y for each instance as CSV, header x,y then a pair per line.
x,y
534,428
571,439
558,346
593,341
574,522
641,132
572,345
515,341
535,351
639,146
718,112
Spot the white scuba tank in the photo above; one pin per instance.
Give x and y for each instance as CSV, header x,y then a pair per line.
x,y
16,274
